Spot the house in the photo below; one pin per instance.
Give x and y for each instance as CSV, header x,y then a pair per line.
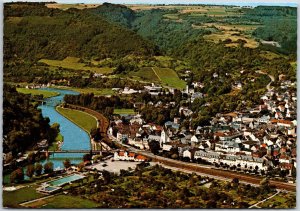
x,y
121,155
187,154
194,139
153,90
128,156
43,144
129,91
140,158
284,159
211,157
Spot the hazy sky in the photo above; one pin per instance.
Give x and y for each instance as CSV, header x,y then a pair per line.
x,y
233,2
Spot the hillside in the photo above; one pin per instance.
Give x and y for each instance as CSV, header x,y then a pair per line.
x,y
57,34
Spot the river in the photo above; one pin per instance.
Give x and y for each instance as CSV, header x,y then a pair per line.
x,y
74,137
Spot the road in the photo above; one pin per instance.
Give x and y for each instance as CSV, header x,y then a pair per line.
x,y
270,76
210,171
255,205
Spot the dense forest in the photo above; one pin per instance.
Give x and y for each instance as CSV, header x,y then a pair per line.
x,y
24,123
55,35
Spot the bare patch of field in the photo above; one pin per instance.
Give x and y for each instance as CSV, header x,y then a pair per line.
x,y
234,36
231,27
269,55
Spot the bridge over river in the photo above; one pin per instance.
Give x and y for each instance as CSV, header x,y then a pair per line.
x,y
77,151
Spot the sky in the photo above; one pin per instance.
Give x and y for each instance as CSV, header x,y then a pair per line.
x,y
226,2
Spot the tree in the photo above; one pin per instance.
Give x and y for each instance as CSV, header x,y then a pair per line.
x,y
235,181
154,147
48,167
30,170
38,168
106,176
81,166
31,157
17,175
87,157
67,163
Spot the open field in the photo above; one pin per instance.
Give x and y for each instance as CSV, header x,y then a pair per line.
x,y
12,199
67,6
124,111
169,77
234,36
227,27
145,73
82,119
94,90
63,201
269,55
281,200
45,93
193,9
74,64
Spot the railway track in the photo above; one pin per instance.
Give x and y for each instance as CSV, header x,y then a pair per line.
x,y
219,173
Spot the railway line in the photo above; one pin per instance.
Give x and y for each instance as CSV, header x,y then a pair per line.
x,y
218,173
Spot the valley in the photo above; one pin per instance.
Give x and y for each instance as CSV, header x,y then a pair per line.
x,y
200,95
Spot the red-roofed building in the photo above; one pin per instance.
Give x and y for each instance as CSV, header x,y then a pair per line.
x,y
140,158
131,155
286,166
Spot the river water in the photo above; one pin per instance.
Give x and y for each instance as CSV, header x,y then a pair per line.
x,y
74,137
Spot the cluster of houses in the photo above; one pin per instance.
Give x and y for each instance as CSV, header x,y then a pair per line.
x,y
128,156
152,90
261,138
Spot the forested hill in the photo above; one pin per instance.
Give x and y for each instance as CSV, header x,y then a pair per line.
x,y
34,32
24,123
170,28
115,13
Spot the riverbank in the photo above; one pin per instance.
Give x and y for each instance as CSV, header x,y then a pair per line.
x,y
103,124
82,119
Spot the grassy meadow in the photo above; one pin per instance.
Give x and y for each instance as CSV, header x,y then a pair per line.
x,y
124,111
63,201
169,77
82,119
45,93
12,199
74,64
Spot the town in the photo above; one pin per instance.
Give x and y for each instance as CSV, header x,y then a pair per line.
x,y
149,105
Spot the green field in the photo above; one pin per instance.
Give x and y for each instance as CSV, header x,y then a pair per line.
x,y
96,91
74,64
63,201
146,74
124,111
14,198
282,200
169,77
82,119
165,76
45,93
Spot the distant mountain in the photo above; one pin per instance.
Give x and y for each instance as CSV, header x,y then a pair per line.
x,y
34,33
